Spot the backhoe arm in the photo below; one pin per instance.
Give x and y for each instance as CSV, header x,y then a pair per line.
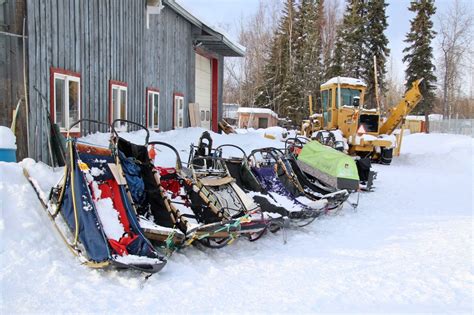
x,y
398,113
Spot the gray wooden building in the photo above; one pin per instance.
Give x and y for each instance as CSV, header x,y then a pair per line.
x,y
141,60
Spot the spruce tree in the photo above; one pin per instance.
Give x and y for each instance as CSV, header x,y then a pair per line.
x,y
419,53
349,56
308,50
375,45
336,61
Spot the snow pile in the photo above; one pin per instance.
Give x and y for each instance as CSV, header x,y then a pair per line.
x,y
274,133
50,177
408,248
181,139
7,138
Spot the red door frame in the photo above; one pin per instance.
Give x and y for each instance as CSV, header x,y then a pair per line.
x,y
215,94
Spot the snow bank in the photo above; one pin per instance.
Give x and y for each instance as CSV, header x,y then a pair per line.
x,y
7,138
408,248
248,140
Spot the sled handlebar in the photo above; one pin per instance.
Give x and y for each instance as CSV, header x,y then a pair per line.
x,y
300,140
132,123
219,148
178,158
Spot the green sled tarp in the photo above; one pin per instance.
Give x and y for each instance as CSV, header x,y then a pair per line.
x,y
328,165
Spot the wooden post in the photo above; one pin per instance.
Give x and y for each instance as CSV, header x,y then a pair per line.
x,y
376,85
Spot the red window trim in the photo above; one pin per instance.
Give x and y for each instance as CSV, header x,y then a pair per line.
x,y
149,89
179,94
52,111
114,82
214,94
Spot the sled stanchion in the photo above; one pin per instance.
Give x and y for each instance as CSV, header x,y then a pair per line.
x,y
76,217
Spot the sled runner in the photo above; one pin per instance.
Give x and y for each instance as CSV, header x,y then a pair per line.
x,y
93,215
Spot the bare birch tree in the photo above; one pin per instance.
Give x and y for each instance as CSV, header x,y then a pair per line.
x,y
455,37
243,76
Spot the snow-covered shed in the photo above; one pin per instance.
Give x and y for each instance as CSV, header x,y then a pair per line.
x,y
251,117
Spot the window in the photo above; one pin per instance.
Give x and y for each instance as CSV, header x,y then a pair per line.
x,y
178,111
118,103
347,96
153,108
262,122
326,98
208,115
66,99
370,122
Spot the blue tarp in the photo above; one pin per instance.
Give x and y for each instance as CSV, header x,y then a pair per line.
x,y
90,232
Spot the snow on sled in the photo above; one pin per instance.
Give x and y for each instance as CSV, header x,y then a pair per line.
x,y
282,208
157,209
329,168
91,211
276,182
219,190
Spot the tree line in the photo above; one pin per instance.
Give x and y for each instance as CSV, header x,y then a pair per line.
x,y
294,47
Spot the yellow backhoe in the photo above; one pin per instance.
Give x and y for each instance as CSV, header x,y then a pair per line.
x,y
346,125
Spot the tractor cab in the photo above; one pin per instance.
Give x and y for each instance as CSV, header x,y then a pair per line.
x,y
342,101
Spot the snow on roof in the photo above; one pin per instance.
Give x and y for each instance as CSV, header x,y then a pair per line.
x,y
344,80
256,110
179,7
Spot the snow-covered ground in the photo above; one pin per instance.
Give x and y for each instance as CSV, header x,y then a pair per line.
x,y
407,248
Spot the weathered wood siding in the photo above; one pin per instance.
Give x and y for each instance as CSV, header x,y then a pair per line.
x,y
11,70
106,40
169,62
101,40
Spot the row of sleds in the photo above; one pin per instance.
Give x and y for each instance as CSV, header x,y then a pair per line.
x,y
115,207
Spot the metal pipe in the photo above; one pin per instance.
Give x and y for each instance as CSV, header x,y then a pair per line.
x,y
12,34
27,110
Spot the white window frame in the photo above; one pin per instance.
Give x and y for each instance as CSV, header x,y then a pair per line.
x,y
116,107
155,125
66,78
177,111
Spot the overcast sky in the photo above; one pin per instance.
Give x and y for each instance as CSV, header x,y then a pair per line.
x,y
230,13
